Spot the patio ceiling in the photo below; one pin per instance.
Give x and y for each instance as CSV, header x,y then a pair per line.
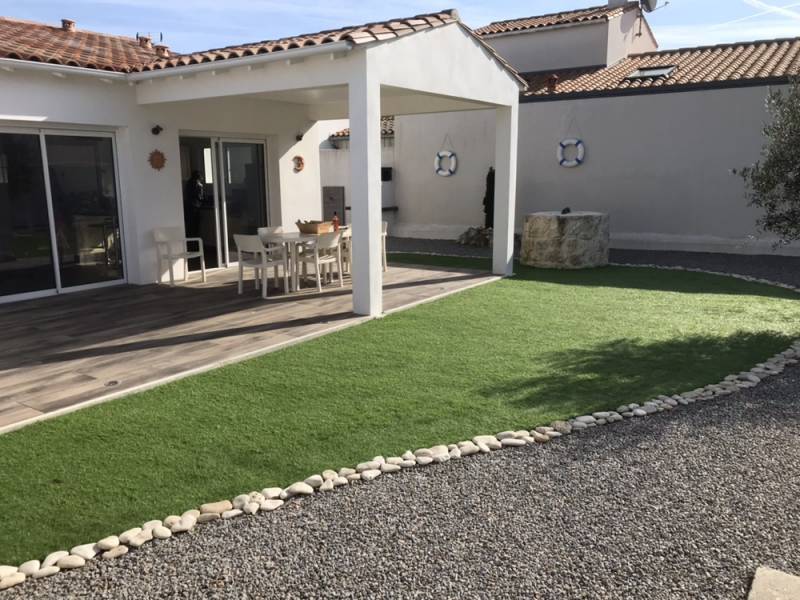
x,y
331,102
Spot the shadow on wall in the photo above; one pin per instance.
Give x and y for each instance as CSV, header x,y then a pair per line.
x,y
633,370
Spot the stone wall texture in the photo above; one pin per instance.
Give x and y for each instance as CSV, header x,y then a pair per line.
x,y
577,240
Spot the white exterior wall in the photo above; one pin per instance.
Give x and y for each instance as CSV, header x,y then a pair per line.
x,y
335,169
554,48
435,207
659,164
588,44
628,34
150,198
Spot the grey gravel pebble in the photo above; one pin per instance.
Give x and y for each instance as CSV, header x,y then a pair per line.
x,y
681,504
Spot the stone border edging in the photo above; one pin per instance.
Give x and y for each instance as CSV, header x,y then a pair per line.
x,y
270,499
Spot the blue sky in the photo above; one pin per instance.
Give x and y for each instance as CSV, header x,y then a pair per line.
x,y
202,24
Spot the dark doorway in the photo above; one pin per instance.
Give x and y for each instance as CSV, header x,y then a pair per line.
x,y
333,203
199,197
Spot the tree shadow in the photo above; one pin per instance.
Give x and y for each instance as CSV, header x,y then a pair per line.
x,y
622,371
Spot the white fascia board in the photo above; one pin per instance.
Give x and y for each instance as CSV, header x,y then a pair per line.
x,y
244,61
14,64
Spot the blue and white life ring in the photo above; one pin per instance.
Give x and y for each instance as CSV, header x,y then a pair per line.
x,y
453,160
580,153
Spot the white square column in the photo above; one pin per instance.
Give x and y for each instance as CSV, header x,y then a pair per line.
x,y
364,93
505,188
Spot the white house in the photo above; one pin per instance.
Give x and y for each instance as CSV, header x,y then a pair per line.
x,y
660,133
101,135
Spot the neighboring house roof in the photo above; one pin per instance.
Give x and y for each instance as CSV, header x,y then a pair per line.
x,y
27,40
387,130
724,65
567,17
38,42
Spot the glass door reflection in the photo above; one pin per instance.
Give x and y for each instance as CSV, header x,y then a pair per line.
x,y
243,190
200,215
26,253
85,210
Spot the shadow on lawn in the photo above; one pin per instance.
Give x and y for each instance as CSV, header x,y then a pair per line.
x,y
685,282
624,371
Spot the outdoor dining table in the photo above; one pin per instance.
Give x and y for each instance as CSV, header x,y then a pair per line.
x,y
290,240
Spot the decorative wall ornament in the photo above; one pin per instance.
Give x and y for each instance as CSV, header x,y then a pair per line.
x,y
299,163
580,153
157,160
452,164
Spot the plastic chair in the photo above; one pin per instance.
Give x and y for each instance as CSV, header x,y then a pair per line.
x,y
167,240
251,253
326,250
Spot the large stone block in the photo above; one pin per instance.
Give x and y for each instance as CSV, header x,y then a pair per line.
x,y
577,240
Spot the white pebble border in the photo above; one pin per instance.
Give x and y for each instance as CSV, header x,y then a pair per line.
x,y
270,499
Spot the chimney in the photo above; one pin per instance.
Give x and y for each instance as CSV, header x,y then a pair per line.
x,y
162,51
552,83
67,25
145,41
617,2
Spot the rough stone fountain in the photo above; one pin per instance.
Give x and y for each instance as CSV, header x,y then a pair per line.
x,y
565,240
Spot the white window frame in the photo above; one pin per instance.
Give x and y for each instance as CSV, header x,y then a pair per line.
x,y
42,134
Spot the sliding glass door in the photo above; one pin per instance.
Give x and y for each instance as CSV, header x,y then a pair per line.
x,y
224,193
26,254
59,214
84,190
200,214
244,190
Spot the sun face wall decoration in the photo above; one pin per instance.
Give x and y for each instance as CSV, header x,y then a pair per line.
x,y
157,160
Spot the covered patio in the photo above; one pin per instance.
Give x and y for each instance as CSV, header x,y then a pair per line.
x,y
61,353
425,64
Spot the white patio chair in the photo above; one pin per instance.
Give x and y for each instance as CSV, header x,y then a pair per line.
x,y
171,245
326,250
252,253
347,246
280,248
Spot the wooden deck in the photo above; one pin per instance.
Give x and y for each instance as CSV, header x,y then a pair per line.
x,y
62,352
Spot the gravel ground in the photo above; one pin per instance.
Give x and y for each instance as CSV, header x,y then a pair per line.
x,y
785,269
775,268
678,505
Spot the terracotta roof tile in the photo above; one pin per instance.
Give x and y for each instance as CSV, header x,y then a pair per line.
x,y
707,65
387,129
567,17
360,34
26,40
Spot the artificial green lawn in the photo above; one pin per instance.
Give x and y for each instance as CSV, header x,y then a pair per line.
x,y
512,354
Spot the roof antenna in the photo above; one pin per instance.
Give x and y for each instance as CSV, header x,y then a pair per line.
x,y
648,6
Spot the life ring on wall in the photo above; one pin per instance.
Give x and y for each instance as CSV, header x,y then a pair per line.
x,y
449,171
299,163
580,153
